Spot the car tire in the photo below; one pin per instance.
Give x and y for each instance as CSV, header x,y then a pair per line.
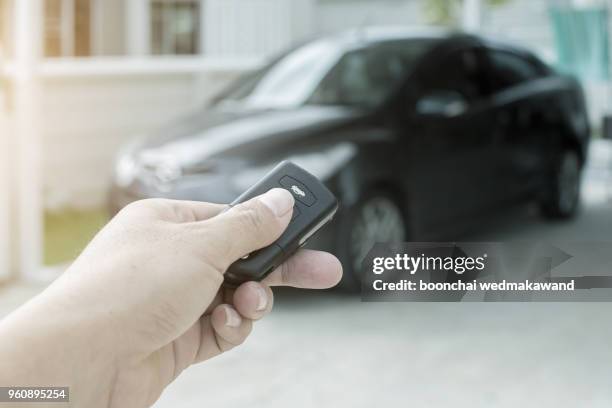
x,y
562,197
377,217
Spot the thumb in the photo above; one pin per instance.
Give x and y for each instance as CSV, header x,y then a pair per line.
x,y
248,226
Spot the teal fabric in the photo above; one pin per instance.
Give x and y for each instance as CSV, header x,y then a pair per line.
x,y
581,39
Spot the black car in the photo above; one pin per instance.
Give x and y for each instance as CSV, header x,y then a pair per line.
x,y
416,133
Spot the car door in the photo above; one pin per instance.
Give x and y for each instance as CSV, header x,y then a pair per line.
x,y
449,138
521,106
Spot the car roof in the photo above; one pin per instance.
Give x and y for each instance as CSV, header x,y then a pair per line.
x,y
505,45
364,36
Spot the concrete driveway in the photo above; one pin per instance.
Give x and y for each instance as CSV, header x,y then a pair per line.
x,y
331,350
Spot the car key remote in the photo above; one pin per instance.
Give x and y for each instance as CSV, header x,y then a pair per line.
x,y
314,207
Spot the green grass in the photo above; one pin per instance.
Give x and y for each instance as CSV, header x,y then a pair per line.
x,y
67,232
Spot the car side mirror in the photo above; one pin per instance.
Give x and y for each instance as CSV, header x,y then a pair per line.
x,y
441,103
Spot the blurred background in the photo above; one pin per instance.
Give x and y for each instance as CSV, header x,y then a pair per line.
x,y
80,78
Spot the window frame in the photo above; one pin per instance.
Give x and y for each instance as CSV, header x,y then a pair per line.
x,y
382,47
67,27
494,69
166,32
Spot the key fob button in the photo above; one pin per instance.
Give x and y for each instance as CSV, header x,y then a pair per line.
x,y
299,190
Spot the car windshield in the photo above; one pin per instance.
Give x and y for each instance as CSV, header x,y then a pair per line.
x,y
323,73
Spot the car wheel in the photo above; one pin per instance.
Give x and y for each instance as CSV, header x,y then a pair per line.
x,y
377,218
563,195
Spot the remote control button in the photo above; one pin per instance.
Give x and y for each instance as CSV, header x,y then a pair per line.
x,y
299,190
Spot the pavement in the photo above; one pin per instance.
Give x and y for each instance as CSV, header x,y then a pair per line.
x,y
326,349
334,351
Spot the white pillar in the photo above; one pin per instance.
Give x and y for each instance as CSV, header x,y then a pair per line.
x,y
67,28
138,23
471,15
5,154
5,189
27,138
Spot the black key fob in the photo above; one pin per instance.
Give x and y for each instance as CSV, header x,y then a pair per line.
x,y
314,207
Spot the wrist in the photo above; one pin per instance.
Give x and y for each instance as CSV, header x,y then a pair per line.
x,y
51,341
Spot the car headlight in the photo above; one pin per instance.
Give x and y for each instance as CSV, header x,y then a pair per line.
x,y
125,170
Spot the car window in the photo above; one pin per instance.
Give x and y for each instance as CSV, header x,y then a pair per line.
x,y
357,80
466,77
509,69
288,81
367,76
321,72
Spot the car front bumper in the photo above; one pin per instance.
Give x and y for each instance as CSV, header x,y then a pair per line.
x,y
214,190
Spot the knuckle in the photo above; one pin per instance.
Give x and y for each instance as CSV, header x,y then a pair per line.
x,y
217,248
147,203
131,207
249,217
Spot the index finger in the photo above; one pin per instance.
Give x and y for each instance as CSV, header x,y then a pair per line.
x,y
307,269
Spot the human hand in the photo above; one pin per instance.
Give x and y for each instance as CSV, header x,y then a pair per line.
x,y
144,300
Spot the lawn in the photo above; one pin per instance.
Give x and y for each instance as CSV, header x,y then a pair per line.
x,y
68,231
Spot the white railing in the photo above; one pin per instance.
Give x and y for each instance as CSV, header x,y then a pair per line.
x,y
117,66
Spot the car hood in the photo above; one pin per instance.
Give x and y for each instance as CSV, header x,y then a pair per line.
x,y
215,133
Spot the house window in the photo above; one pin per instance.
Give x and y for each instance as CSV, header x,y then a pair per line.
x,y
175,27
67,28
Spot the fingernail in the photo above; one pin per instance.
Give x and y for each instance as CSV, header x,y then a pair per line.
x,y
262,298
232,318
278,200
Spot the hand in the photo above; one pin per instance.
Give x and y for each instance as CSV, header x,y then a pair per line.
x,y
144,300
